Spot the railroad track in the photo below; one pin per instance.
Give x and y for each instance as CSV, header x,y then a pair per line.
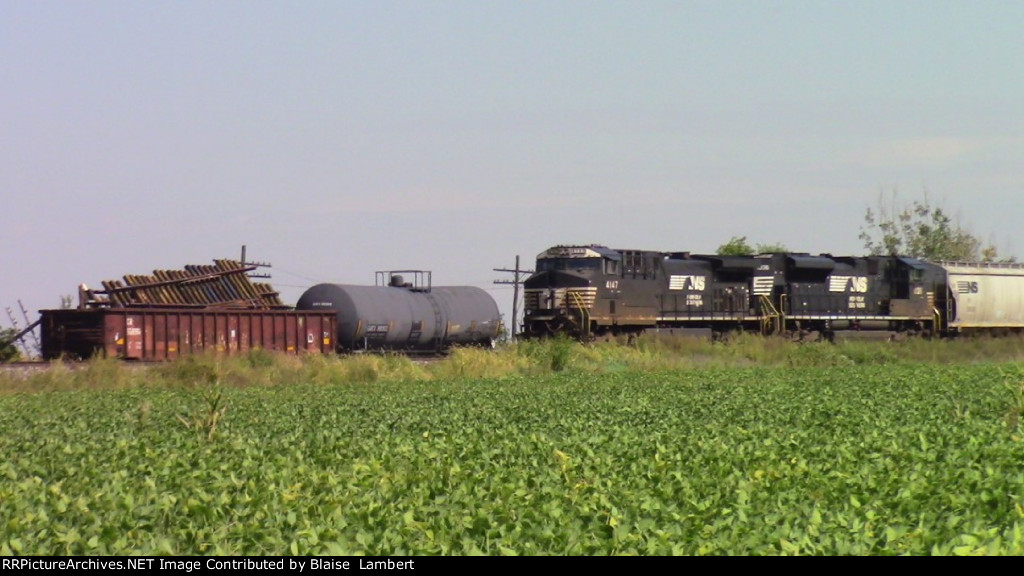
x,y
27,368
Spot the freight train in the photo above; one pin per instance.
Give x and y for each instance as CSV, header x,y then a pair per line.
x,y
593,291
217,309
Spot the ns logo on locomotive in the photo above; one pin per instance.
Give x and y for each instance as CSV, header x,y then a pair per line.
x,y
593,291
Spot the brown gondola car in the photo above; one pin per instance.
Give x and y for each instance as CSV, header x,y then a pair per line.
x,y
168,333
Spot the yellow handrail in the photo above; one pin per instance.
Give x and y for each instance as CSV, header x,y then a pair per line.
x,y
584,313
769,315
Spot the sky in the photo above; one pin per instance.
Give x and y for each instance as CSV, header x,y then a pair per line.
x,y
338,138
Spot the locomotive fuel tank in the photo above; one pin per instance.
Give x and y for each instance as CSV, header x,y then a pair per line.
x,y
400,316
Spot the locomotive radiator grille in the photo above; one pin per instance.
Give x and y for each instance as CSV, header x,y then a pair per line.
x,y
580,298
531,299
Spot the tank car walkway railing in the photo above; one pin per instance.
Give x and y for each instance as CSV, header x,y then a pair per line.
x,y
577,302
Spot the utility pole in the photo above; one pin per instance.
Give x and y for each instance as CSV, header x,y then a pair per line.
x,y
519,274
258,264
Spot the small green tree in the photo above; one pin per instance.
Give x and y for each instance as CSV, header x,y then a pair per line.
x,y
769,248
921,230
738,246
8,350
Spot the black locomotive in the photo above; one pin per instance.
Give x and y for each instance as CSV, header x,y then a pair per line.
x,y
593,291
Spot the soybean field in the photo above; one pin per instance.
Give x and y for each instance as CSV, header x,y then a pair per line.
x,y
841,458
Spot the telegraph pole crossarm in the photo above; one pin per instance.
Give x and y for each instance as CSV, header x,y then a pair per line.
x,y
256,264
519,276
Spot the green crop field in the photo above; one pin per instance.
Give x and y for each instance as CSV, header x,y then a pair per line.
x,y
575,452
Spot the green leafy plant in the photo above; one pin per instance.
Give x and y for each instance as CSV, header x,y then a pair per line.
x,y
205,419
1015,387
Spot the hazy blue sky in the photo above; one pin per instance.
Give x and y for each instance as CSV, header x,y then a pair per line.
x,y
339,138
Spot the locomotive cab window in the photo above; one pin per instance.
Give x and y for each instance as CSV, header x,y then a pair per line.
x,y
568,264
611,267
